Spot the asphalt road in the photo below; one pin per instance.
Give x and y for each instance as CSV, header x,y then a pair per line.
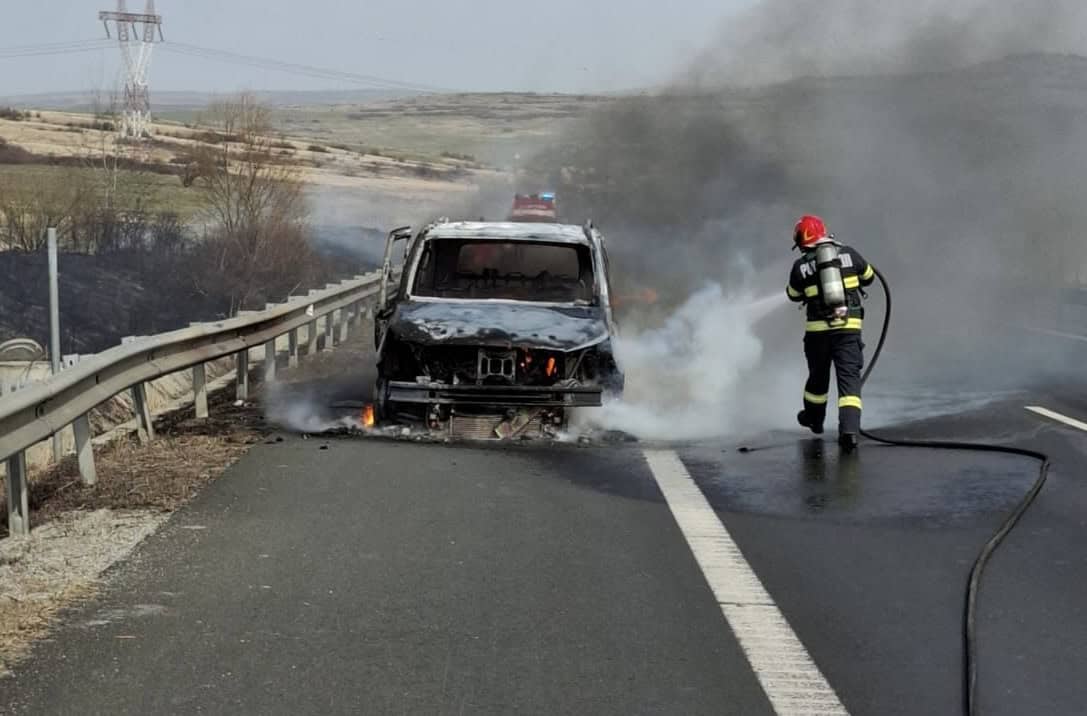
x,y
385,577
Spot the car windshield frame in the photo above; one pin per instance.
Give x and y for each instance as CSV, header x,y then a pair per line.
x,y
587,268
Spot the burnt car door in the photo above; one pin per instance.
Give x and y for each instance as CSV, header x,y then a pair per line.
x,y
604,287
386,304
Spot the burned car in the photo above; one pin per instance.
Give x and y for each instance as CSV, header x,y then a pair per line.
x,y
497,330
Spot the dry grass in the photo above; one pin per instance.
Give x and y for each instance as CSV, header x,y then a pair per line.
x,y
25,619
160,476
430,160
58,565
80,531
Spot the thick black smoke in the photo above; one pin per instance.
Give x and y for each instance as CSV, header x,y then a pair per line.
x,y
783,40
953,165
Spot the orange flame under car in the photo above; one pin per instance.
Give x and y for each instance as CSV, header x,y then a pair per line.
x,y
368,417
646,297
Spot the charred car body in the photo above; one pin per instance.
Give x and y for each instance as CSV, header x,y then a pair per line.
x,y
496,330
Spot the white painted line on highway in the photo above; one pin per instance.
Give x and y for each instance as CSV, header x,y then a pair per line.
x,y
1046,413
786,671
1058,334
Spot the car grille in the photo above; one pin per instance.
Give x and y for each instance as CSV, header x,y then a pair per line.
x,y
483,427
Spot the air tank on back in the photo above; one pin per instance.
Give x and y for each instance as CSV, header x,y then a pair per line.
x,y
829,265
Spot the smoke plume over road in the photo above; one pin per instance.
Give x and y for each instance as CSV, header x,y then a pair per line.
x,y
782,40
934,137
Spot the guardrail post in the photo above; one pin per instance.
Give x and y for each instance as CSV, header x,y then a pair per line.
x,y
330,332
241,367
200,391
345,321
54,327
292,348
311,338
84,449
270,361
143,412
18,496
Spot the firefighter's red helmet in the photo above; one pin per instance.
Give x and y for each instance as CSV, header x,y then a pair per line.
x,y
809,230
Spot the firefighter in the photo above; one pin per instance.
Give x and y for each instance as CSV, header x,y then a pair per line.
x,y
827,279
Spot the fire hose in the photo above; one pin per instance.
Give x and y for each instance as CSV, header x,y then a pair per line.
x,y
969,634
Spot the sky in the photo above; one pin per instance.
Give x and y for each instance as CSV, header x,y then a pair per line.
x,y
560,45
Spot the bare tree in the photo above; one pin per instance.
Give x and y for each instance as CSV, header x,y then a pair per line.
x,y
97,200
256,245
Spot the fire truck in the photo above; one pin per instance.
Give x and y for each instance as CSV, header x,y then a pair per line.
x,y
534,208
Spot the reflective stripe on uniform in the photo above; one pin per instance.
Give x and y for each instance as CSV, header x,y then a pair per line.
x,y
850,401
816,399
852,324
851,282
869,273
811,291
792,292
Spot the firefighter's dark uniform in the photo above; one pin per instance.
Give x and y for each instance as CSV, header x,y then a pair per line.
x,y
829,340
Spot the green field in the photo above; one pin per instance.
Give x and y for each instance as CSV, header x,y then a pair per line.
x,y
492,129
164,193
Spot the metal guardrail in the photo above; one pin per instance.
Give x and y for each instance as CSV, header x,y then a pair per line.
x,y
34,414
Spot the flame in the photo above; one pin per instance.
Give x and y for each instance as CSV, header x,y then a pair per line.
x,y
550,367
368,417
648,297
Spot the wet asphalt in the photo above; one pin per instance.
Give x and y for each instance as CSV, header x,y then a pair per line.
x,y
356,575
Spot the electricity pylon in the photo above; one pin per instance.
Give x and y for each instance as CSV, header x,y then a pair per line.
x,y
137,34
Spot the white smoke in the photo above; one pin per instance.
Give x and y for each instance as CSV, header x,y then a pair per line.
x,y
692,378
303,411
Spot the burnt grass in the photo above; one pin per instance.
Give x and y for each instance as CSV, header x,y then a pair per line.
x,y
103,298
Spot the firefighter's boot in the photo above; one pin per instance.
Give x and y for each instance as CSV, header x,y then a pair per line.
x,y
805,421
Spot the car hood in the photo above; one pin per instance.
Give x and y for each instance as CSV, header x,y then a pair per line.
x,y
524,325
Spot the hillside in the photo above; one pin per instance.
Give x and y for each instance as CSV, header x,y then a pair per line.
x,y
170,101
367,163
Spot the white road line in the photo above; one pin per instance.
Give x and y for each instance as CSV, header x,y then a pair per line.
x,y
1071,422
786,671
1058,334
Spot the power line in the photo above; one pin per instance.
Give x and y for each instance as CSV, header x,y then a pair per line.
x,y
297,69
181,48
61,48
48,45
